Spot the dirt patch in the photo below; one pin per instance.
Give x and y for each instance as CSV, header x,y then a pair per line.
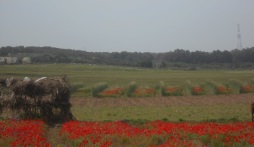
x,y
164,101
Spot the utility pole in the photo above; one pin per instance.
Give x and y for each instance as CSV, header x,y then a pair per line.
x,y
235,53
239,40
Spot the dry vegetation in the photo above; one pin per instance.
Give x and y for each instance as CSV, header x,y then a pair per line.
x,y
47,99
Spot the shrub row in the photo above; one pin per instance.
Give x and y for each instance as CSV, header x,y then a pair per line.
x,y
133,90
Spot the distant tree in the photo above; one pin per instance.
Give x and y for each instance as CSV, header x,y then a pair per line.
x,y
199,57
146,64
236,58
178,58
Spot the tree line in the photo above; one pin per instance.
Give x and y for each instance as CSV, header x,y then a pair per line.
x,y
179,58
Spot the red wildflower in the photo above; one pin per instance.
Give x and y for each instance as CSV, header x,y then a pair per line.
x,y
247,88
112,92
222,90
24,132
197,90
172,91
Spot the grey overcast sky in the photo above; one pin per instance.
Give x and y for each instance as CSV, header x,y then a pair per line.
x,y
127,25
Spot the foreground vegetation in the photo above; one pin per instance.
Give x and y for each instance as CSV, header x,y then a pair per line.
x,y
185,123
106,134
189,123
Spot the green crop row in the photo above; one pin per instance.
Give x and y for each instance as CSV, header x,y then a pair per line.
x,y
161,89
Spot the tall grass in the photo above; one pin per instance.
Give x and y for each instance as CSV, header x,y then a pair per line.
x,y
76,86
98,88
235,86
130,89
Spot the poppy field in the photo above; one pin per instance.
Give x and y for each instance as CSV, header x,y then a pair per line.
x,y
119,133
159,133
189,108
23,133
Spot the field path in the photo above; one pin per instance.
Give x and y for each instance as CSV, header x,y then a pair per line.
x,y
165,101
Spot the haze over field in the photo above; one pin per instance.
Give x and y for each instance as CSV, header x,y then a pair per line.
x,y
134,26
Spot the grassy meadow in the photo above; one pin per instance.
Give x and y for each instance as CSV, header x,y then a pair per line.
x,y
219,113
89,75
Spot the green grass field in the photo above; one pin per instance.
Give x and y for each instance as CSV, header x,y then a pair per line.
x,y
219,108
120,76
237,112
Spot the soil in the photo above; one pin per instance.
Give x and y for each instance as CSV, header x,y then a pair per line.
x,y
164,101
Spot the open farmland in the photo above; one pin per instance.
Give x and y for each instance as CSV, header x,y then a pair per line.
x,y
221,108
114,75
180,121
139,121
85,76
172,108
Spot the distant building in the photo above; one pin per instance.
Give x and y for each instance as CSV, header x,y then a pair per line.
x,y
26,60
8,60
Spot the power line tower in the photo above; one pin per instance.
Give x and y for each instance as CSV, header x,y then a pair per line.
x,y
239,40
